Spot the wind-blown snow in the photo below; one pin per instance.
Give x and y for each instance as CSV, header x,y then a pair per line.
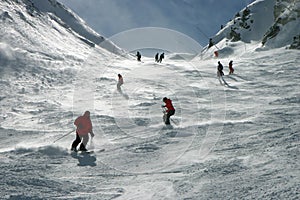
x,y
233,141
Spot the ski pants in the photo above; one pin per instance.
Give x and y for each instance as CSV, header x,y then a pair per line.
x,y
220,73
169,114
84,138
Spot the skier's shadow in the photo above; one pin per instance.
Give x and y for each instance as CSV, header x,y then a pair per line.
x,y
231,78
226,84
84,159
122,93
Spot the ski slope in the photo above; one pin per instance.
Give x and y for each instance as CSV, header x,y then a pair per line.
x,y
238,140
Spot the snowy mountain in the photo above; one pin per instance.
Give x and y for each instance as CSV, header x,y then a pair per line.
x,y
270,23
49,17
236,138
193,18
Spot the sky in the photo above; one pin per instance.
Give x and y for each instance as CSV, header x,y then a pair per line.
x,y
198,19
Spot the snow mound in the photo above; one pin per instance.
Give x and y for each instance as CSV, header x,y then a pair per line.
x,y
180,56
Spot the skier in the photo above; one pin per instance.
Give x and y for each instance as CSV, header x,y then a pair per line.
x,y
139,56
170,110
84,127
120,82
156,57
220,70
162,56
231,70
210,44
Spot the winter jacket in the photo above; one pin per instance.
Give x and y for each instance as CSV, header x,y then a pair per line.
x,y
84,125
169,105
220,67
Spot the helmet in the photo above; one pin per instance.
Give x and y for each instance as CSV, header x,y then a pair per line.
x,y
165,98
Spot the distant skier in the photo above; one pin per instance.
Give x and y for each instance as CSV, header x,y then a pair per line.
x,y
120,81
170,110
156,57
220,70
231,70
84,127
161,57
139,56
210,44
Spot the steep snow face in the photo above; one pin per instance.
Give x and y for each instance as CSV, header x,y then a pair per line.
x,y
273,23
249,24
38,52
68,18
58,15
27,29
286,26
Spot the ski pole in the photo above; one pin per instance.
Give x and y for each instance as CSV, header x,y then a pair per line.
x,y
64,135
174,122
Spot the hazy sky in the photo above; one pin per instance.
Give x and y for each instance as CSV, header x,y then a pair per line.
x,y
199,19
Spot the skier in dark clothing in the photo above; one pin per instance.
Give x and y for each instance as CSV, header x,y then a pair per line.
x,y
156,57
139,56
231,70
210,44
170,110
220,70
162,56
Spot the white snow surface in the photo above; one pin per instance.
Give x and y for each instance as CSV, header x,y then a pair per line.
x,y
238,140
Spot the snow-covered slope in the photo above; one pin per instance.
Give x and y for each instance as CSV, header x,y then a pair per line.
x,y
272,23
233,141
37,52
53,16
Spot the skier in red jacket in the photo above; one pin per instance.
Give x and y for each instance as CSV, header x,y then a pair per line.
x,y
170,110
84,127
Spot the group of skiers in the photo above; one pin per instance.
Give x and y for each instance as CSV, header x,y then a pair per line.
x,y
220,67
84,125
159,58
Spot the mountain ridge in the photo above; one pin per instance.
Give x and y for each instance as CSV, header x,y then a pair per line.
x,y
51,13
270,23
